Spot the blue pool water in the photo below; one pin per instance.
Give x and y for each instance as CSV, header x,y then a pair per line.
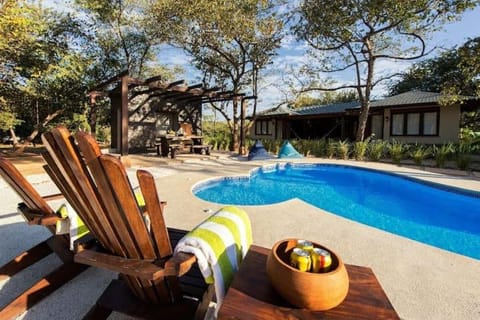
x,y
443,217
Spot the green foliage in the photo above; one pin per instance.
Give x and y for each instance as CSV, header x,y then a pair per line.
x,y
397,151
216,134
441,154
376,150
79,122
343,149
272,145
331,149
310,147
104,134
463,156
8,120
306,100
455,72
360,149
419,153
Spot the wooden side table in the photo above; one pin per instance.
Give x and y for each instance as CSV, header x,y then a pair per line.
x,y
251,295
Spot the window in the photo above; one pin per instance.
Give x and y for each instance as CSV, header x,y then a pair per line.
x,y
430,123
397,124
415,124
377,126
262,127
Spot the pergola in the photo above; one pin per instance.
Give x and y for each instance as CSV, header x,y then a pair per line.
x,y
128,95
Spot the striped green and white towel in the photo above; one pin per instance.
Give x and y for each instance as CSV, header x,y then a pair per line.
x,y
219,244
74,226
71,224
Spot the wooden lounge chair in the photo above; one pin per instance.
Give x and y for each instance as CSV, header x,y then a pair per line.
x,y
36,211
153,282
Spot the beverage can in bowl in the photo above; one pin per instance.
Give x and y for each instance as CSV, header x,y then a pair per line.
x,y
300,259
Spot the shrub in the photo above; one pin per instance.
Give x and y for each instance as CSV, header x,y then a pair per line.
x,y
331,149
397,151
360,149
271,145
343,149
376,149
463,157
441,154
419,153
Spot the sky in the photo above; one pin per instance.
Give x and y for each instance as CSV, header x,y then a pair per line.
x,y
292,56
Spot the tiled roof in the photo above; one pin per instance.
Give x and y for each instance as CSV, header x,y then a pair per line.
x,y
326,109
404,99
280,110
410,98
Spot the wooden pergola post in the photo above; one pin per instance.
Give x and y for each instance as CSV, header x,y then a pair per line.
x,y
124,117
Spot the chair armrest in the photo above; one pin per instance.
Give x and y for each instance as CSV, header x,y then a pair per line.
x,y
144,269
51,197
34,217
179,264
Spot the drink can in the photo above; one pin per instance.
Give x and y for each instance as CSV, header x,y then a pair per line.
x,y
321,260
300,259
305,245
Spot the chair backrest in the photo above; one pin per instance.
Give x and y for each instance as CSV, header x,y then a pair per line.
x,y
30,197
98,188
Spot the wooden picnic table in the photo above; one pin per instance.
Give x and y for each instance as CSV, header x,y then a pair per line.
x,y
174,144
251,296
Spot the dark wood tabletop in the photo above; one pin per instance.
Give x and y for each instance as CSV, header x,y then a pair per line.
x,y
251,295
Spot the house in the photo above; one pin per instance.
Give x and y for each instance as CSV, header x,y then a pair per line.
x,y
409,117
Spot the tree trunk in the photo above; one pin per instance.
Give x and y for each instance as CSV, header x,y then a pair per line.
x,y
362,120
93,120
242,150
14,138
235,144
35,131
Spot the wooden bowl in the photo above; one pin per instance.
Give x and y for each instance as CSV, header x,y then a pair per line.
x,y
314,291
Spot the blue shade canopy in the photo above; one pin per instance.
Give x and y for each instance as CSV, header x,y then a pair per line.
x,y
287,151
258,152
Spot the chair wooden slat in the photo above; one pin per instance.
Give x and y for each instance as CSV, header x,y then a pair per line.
x,y
127,202
80,191
23,188
107,189
155,213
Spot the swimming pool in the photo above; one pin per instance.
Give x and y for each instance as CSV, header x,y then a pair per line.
x,y
441,216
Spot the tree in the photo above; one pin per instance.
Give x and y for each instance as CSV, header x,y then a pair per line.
x,y
305,100
230,42
455,73
354,35
122,34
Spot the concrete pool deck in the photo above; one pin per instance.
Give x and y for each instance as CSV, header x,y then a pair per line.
x,y
421,281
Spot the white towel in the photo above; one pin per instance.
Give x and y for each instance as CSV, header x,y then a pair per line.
x,y
219,244
71,224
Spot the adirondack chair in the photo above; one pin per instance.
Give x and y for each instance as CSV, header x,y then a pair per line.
x,y
36,211
153,282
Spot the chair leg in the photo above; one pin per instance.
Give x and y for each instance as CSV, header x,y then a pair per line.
x,y
97,312
205,303
41,289
25,259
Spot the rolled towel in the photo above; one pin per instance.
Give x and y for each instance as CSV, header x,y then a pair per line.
x,y
219,244
71,224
